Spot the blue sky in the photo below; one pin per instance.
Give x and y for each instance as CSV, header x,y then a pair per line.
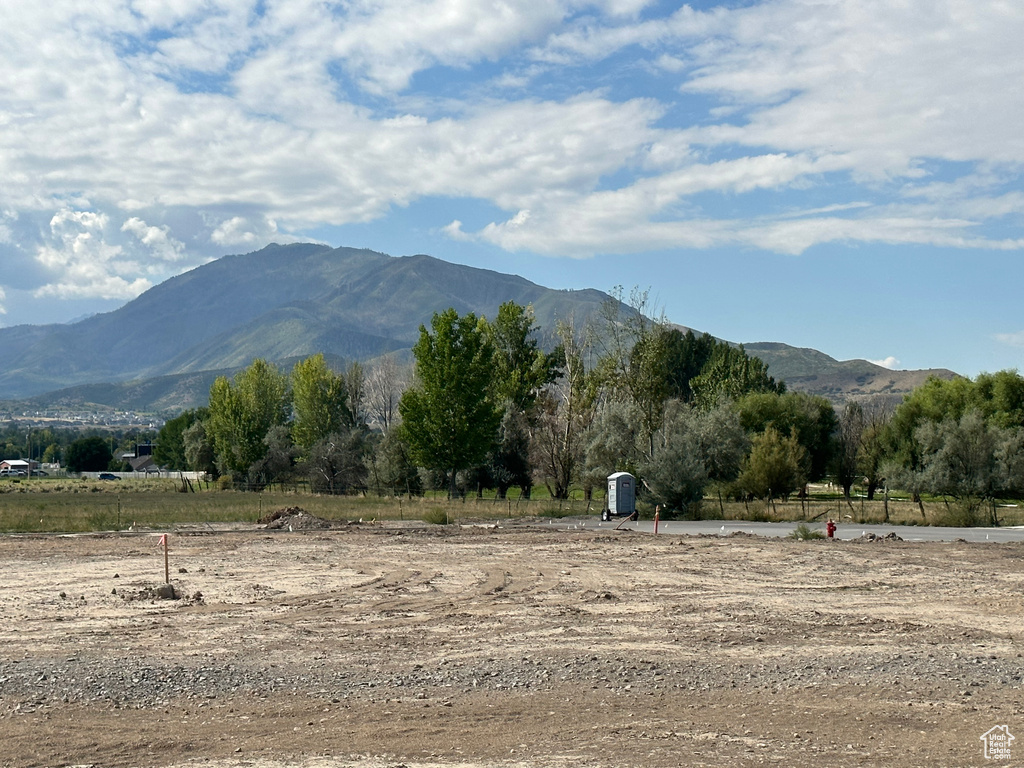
x,y
843,175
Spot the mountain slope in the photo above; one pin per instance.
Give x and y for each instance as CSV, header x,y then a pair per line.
x,y
280,302
811,371
161,351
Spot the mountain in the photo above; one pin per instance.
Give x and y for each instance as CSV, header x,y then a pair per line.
x,y
283,302
811,371
161,351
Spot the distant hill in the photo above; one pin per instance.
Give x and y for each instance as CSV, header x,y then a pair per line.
x,y
808,370
161,351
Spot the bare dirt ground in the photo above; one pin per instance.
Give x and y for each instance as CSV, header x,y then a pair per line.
x,y
379,648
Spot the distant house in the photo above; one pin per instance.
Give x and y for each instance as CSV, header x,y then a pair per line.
x,y
17,464
141,459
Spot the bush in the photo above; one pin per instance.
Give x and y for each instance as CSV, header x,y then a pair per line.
x,y
804,532
436,516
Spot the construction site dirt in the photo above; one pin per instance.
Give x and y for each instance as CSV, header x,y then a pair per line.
x,y
481,645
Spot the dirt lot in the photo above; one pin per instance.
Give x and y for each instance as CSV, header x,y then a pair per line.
x,y
378,647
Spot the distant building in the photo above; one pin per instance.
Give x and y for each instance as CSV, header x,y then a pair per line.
x,y
141,459
17,464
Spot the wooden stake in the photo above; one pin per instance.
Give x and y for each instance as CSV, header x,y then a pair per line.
x,y
167,565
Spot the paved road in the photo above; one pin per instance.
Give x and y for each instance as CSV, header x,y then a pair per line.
x,y
844,531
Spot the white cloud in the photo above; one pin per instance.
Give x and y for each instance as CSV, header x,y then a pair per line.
x,y
259,120
1015,339
239,230
158,239
388,41
3,298
889,362
82,264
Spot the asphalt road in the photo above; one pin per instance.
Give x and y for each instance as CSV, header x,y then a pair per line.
x,y
781,530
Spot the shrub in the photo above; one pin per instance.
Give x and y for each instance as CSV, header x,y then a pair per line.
x,y
804,532
436,516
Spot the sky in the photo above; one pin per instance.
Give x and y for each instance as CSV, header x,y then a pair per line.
x,y
846,175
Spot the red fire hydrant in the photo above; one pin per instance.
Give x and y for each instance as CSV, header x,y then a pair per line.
x,y
830,528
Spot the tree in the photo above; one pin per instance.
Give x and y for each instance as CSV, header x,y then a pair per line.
x,y
848,441
384,386
278,459
508,463
200,455
520,371
448,417
564,410
355,383
392,468
336,462
242,413
776,466
872,451
521,368
169,451
685,358
321,402
812,418
971,460
632,366
88,454
696,448
996,399
730,373
612,442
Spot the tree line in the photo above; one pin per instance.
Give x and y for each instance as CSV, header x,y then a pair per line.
x,y
486,407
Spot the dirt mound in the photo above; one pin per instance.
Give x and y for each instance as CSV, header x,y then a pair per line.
x,y
294,519
891,536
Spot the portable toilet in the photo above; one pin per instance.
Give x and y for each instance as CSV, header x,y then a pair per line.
x,y
621,499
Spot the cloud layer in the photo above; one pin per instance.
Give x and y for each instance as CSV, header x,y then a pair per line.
x,y
140,138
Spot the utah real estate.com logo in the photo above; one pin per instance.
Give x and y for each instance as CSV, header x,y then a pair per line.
x,y
997,742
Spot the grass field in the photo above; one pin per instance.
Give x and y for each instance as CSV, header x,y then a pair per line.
x,y
72,505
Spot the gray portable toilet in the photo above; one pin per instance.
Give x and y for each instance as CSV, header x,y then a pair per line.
x,y
621,495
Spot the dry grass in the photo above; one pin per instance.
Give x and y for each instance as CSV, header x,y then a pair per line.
x,y
70,505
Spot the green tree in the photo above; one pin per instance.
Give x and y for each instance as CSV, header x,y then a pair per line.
x,y
685,358
448,417
996,399
508,463
847,447
612,442
88,454
321,401
776,466
633,364
697,448
812,418
521,368
200,455
169,450
392,468
729,374
278,460
242,413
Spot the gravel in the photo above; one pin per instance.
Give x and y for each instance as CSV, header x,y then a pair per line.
x,y
132,682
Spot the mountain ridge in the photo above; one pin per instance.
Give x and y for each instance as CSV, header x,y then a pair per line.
x,y
285,302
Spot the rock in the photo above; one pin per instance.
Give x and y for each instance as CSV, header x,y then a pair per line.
x,y
166,592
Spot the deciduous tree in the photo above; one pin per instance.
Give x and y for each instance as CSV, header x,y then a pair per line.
x,y
88,454
321,402
242,413
448,417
